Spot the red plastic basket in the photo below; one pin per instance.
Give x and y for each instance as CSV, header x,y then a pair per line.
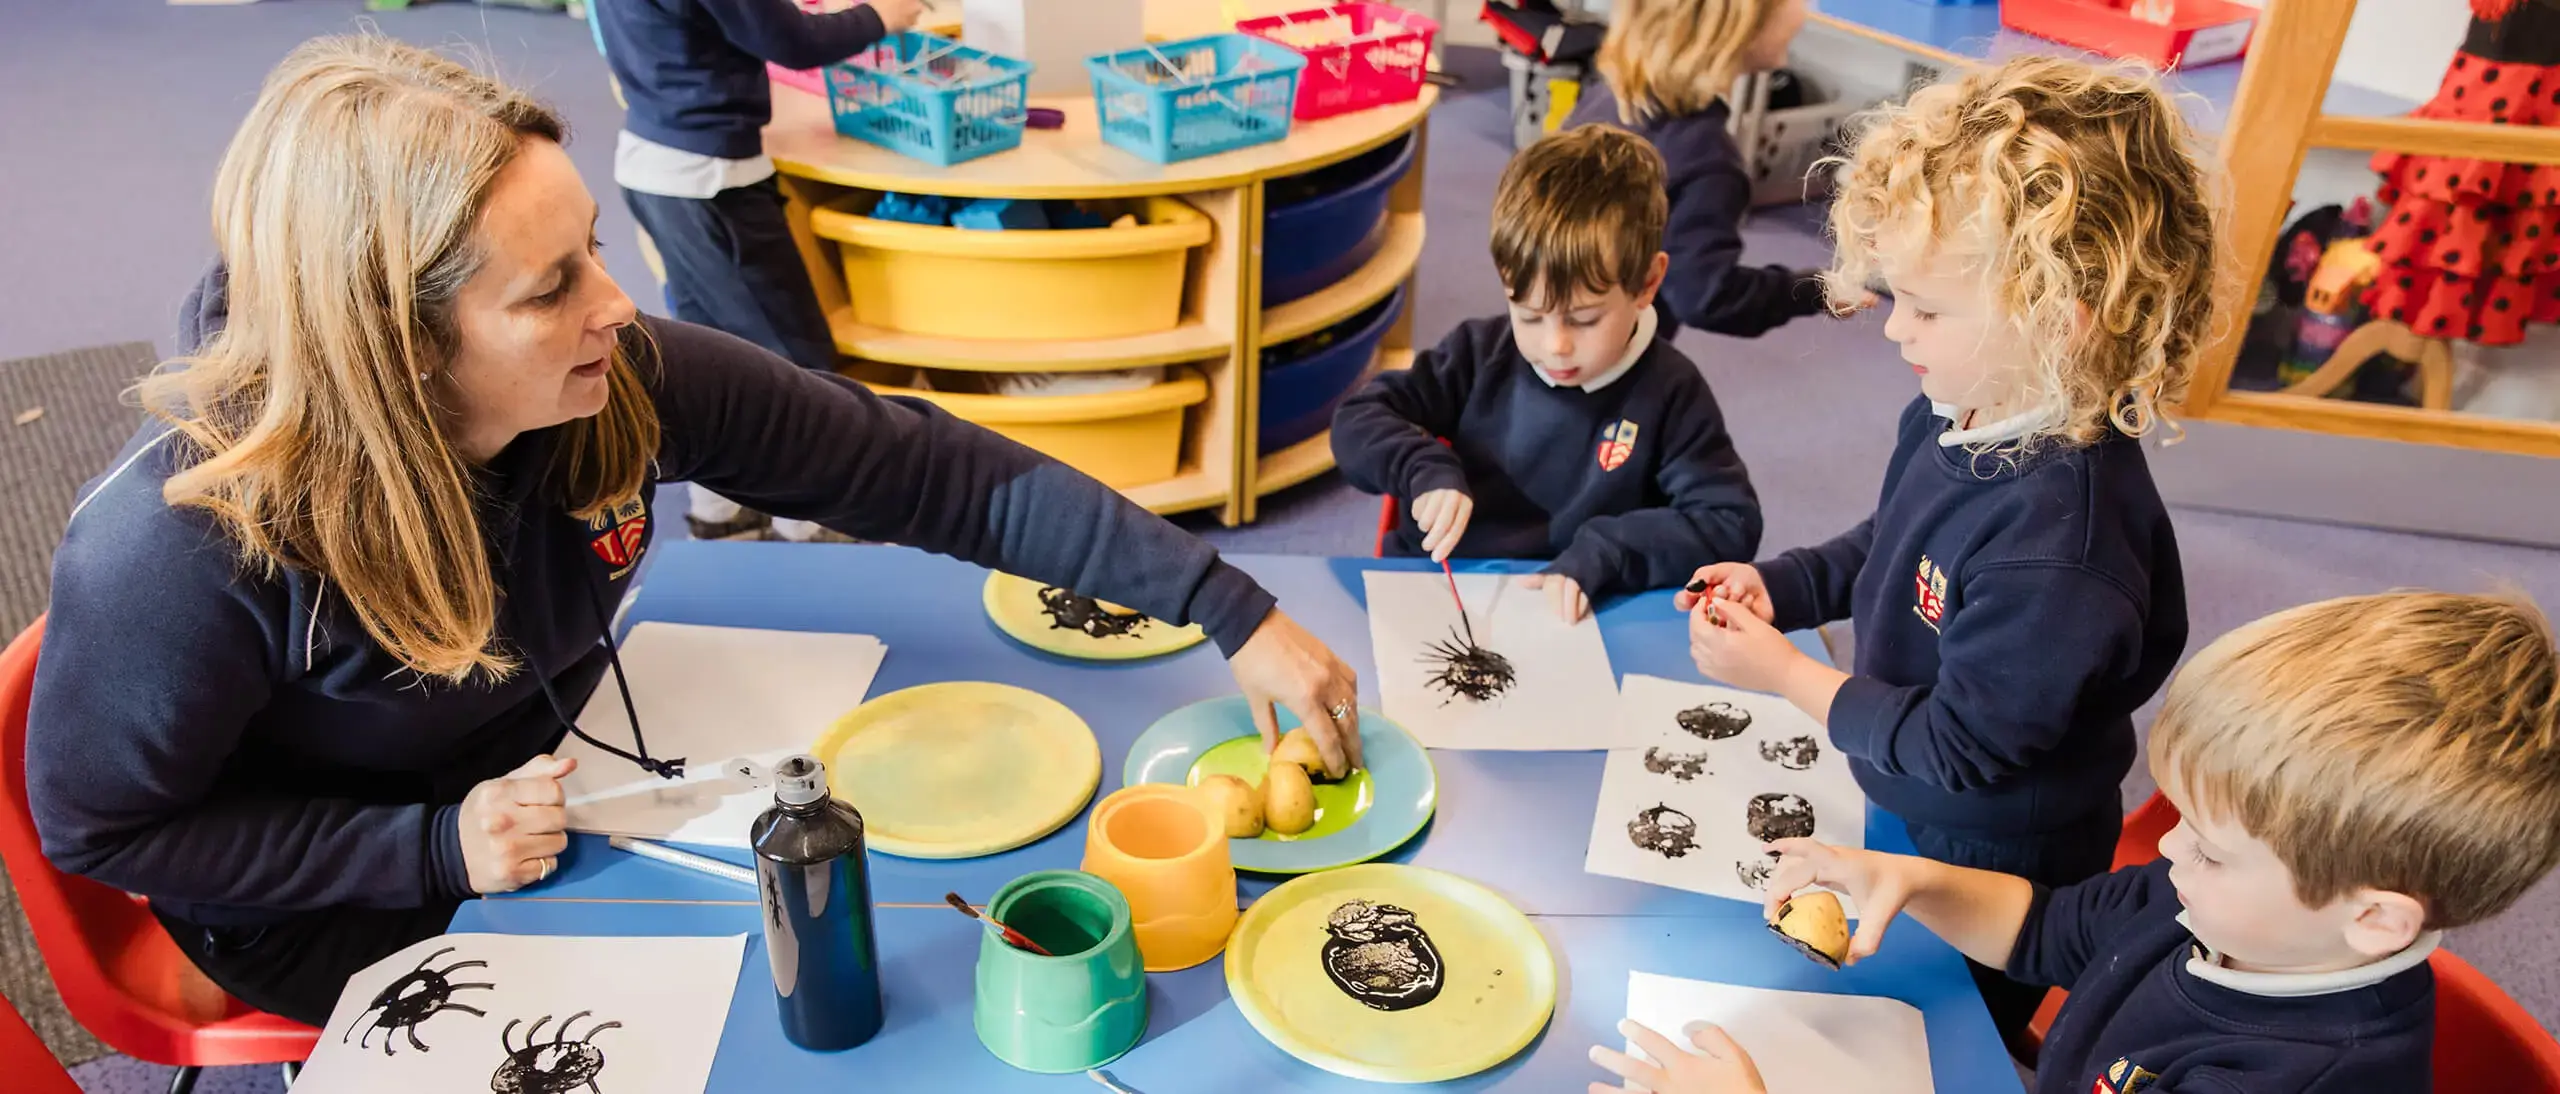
x,y
1359,55
2198,32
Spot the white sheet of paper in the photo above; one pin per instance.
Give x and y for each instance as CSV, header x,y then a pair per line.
x,y
731,701
1802,1042
670,997
1562,671
1724,775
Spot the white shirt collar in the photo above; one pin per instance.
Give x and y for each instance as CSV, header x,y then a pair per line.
x,y
2005,430
2206,965
1637,343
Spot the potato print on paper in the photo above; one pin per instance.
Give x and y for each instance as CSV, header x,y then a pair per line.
x,y
531,1014
1719,773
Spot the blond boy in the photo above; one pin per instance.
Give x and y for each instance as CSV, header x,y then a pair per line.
x,y
2357,776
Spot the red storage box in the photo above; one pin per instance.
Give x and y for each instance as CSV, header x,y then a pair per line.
x,y
1359,55
2196,32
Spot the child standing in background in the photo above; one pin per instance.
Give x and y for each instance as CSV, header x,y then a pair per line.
x,y
2046,230
1573,432
693,171
1665,68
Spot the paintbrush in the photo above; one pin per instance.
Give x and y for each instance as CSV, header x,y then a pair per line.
x,y
1011,937
1452,575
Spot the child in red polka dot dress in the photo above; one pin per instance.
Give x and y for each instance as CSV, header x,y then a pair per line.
x,y
2472,247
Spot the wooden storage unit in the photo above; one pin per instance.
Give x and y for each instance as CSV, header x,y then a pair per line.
x,y
1223,325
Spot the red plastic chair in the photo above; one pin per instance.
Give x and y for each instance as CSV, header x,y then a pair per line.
x,y
30,1066
120,973
2485,1043
2139,844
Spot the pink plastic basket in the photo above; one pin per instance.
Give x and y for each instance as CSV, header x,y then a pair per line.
x,y
1359,55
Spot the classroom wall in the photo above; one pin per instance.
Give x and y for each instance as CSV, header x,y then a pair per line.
x,y
2399,46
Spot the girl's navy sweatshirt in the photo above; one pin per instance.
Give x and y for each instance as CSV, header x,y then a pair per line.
x,y
236,748
2011,616
2140,1019
692,71
1708,286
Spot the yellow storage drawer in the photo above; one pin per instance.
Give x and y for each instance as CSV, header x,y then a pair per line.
x,y
1124,438
1064,283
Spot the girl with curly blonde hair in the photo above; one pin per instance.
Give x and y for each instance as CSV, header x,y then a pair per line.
x,y
2047,232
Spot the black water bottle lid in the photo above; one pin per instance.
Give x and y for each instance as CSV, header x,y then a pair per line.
x,y
799,780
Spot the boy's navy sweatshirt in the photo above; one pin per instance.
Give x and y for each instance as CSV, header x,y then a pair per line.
x,y
1544,464
2142,1020
692,71
2011,615
235,747
1708,286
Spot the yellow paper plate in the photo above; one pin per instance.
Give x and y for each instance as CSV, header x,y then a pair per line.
x,y
961,769
1014,604
1497,981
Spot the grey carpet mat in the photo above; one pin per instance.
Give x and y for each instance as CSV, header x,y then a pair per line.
x,y
43,461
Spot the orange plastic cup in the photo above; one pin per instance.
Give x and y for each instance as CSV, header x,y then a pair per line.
x,y
1158,844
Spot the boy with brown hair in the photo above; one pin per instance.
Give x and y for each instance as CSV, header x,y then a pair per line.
x,y
2356,777
1573,433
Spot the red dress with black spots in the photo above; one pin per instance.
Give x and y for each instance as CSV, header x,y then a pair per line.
x,y
2471,248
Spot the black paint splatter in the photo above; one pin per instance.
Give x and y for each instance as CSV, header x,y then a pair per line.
x,y
1466,670
406,1003
1070,612
1754,873
1778,816
1380,956
1794,753
1664,831
1715,721
556,1066
1683,766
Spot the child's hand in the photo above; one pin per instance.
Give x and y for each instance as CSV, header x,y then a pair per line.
x,y
1740,648
1564,594
898,16
1443,516
1718,1067
1880,884
1736,583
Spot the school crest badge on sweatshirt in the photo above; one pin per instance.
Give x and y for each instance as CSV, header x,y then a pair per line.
x,y
1929,591
1617,443
2123,1077
620,534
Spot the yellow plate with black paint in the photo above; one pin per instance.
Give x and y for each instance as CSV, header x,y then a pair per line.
x,y
1497,986
1013,604
962,769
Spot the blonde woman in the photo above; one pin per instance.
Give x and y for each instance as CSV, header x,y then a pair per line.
x,y
315,632
1664,70
2051,239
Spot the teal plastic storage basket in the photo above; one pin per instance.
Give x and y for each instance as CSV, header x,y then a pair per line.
x,y
930,98
1196,97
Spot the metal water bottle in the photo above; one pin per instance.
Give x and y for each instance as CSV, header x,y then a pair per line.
x,y
816,886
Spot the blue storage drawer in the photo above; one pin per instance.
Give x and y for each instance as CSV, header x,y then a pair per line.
x,y
1320,226
1299,396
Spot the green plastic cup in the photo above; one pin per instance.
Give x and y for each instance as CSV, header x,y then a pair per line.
x,y
1081,1008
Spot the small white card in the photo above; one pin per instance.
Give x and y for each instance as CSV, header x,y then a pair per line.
x,y
1810,1042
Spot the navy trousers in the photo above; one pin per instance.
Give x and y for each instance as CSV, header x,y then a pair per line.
x,y
731,266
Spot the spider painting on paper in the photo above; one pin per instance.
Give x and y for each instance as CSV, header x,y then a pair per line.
x,y
1467,671
406,1003
557,1066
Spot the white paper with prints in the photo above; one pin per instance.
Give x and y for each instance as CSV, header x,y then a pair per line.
x,y
731,702
536,1014
1715,773
1801,1041
1527,681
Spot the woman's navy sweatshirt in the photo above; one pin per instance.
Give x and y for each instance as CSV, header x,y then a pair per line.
x,y
2141,1021
235,747
2011,616
1708,286
692,71
1627,488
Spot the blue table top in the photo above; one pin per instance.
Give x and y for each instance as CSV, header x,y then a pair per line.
x,y
1973,31
927,609
1515,822
1197,1040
